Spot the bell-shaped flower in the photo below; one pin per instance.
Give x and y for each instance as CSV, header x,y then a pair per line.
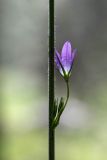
x,y
64,61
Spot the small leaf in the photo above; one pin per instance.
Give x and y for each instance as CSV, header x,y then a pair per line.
x,y
55,107
57,111
61,104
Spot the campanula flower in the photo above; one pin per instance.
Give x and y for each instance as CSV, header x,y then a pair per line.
x,y
64,61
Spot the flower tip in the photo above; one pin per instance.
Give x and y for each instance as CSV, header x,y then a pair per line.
x,y
67,42
68,45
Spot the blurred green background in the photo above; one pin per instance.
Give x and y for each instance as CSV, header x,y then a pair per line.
x,y
82,133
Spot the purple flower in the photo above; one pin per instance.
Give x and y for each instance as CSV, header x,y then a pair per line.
x,y
64,61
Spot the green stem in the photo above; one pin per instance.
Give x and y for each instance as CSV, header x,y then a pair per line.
x,y
51,80
59,114
67,83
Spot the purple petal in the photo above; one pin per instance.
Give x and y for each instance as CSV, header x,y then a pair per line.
x,y
58,62
57,58
74,54
67,65
72,59
66,51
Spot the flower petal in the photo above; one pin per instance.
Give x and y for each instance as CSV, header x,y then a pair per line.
x,y
73,54
66,51
72,59
57,58
59,64
66,65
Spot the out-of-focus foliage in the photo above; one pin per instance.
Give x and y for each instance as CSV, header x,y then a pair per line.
x,y
24,75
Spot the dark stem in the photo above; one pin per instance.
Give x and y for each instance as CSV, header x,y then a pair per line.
x,y
51,79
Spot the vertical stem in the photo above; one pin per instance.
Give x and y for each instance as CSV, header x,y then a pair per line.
x,y
51,78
